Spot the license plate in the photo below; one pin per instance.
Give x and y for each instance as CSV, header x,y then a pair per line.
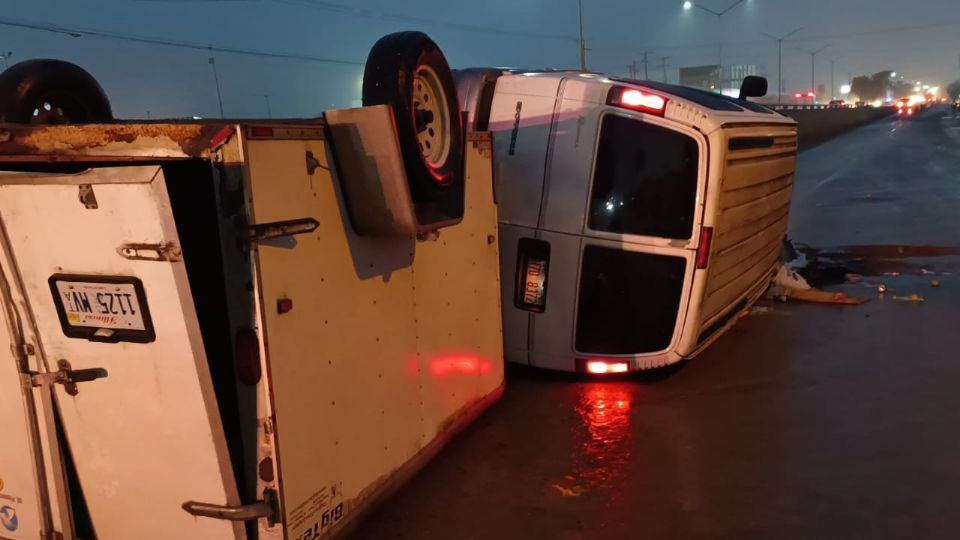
x,y
102,308
535,274
533,265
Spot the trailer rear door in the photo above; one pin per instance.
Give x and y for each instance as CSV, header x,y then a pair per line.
x,y
97,257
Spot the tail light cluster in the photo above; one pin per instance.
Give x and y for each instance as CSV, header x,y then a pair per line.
x,y
637,100
603,367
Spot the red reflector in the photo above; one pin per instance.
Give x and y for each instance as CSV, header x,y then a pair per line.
x,y
703,252
247,349
600,367
284,305
261,131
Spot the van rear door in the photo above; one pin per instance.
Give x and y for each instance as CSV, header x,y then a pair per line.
x,y
97,256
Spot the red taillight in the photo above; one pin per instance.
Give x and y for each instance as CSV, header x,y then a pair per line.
x,y
899,104
247,350
703,251
798,95
637,100
811,94
601,367
909,111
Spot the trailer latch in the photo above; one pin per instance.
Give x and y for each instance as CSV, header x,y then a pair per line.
x,y
168,252
67,376
278,229
268,508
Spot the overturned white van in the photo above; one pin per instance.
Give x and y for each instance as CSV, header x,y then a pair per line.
x,y
637,219
223,330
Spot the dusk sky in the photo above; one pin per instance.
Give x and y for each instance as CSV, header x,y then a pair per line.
x,y
920,39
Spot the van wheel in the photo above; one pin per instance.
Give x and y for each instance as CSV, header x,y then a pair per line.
x,y
51,92
408,72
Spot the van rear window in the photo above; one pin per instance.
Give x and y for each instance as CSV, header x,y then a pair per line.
x,y
644,180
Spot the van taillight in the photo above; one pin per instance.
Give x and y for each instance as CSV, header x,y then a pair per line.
x,y
703,252
637,100
601,367
247,350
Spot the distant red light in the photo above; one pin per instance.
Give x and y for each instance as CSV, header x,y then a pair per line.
x,y
798,95
811,94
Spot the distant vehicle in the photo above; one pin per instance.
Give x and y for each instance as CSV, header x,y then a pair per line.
x,y
617,252
838,104
906,107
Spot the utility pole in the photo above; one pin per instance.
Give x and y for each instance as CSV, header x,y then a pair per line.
x,y
664,65
6,59
216,79
813,67
583,43
780,41
266,98
833,86
646,74
632,66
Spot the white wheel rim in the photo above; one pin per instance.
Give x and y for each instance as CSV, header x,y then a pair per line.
x,y
428,96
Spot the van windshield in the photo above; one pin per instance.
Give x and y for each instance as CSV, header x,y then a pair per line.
x,y
644,180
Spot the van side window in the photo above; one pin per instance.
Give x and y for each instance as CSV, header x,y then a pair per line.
x,y
644,181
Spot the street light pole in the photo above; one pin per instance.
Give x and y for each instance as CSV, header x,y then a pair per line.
x,y
216,79
813,67
583,43
689,4
780,41
266,97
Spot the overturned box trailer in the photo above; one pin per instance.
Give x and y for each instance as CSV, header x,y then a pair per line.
x,y
240,329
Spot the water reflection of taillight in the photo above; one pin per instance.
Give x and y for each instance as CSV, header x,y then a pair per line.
x,y
247,350
605,454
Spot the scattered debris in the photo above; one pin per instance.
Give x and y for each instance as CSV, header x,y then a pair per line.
x,y
789,279
912,298
893,274
825,297
935,283
575,491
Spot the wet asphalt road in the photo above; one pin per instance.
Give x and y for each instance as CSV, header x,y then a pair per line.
x,y
805,421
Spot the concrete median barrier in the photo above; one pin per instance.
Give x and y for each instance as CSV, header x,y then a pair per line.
x,y
819,125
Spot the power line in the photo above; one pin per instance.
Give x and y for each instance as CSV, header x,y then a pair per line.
x,y
86,32
847,35
366,13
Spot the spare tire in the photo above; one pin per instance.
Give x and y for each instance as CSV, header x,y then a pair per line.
x,y
407,71
51,92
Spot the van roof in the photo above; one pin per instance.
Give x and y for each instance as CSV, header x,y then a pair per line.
x,y
713,110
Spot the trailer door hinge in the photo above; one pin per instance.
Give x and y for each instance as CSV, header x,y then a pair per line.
x,y
67,376
268,508
278,229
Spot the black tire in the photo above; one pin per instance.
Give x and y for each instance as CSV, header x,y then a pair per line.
x,y
392,70
51,92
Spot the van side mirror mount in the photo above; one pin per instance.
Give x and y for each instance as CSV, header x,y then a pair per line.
x,y
753,86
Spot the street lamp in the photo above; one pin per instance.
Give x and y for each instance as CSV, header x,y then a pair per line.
x,y
780,41
813,66
689,5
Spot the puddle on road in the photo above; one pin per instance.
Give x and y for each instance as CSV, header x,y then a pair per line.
x,y
831,266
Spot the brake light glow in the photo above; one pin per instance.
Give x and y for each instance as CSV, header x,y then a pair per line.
x,y
899,104
637,100
601,367
811,94
703,251
798,95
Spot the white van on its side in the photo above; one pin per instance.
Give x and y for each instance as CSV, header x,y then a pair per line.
x,y
637,219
